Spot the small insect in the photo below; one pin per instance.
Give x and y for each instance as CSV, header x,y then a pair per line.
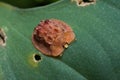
x,y
52,36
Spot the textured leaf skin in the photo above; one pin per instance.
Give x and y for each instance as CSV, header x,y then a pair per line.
x,y
95,55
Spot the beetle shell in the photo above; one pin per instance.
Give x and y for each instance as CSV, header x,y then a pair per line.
x,y
50,37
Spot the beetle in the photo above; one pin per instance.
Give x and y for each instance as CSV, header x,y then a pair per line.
x,y
52,36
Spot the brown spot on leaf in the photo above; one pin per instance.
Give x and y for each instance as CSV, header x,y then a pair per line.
x,y
51,36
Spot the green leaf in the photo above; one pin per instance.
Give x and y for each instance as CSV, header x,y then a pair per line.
x,y
95,55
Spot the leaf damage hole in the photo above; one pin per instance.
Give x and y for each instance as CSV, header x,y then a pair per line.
x,y
84,2
37,57
3,37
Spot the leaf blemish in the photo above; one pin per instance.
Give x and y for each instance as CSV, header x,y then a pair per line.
x,y
84,2
3,37
36,58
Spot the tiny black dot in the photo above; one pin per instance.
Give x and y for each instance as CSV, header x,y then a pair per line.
x,y
37,57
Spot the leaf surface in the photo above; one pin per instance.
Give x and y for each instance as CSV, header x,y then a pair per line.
x,y
95,55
